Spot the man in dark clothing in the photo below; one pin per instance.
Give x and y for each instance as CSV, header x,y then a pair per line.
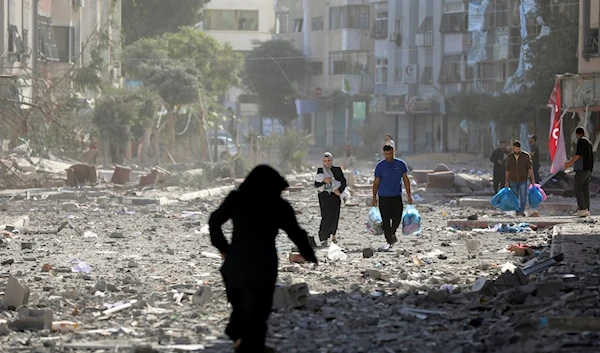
x,y
250,267
518,170
497,158
583,164
535,157
390,173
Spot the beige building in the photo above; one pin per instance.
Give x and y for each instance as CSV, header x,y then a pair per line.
x,y
49,36
335,37
240,23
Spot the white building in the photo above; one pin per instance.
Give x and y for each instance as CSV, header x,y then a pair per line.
x,y
240,23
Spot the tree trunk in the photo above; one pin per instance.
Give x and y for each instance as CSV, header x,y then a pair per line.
x,y
204,148
146,144
171,130
156,144
128,145
105,151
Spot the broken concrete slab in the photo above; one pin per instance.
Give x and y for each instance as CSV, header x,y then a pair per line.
x,y
15,294
200,194
540,222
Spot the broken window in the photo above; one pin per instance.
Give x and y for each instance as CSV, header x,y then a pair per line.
x,y
591,45
499,14
455,22
317,23
451,69
14,40
427,76
349,62
380,28
298,24
65,43
316,68
487,70
48,49
231,20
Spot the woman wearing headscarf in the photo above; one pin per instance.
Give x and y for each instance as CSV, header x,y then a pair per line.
x,y
250,267
330,183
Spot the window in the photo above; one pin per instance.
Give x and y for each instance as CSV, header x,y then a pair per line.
x,y
349,63
499,13
48,50
281,22
14,40
381,71
65,43
316,68
427,76
25,43
317,23
397,75
424,37
231,20
569,9
591,45
298,24
451,69
351,16
380,28
454,22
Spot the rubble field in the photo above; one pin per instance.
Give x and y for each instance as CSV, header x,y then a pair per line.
x,y
110,271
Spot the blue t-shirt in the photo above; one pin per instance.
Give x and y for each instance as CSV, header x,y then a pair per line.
x,y
390,177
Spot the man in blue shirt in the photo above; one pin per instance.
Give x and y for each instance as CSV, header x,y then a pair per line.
x,y
389,175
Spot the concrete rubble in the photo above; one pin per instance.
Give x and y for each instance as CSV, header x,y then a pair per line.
x,y
106,269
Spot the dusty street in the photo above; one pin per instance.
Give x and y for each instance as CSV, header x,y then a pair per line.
x,y
418,298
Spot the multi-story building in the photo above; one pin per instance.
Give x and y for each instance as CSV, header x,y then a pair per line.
x,y
51,37
240,23
581,92
335,37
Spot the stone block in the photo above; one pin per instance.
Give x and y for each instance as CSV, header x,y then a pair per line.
x,y
15,294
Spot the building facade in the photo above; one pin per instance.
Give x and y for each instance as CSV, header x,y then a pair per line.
x,y
335,37
50,37
240,23
407,59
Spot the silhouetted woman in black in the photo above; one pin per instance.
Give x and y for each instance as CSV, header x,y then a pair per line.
x,y
250,267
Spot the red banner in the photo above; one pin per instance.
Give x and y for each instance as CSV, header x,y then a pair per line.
x,y
555,104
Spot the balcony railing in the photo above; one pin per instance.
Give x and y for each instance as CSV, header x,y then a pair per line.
x,y
424,39
357,83
489,86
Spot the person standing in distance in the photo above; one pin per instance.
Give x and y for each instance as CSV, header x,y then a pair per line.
x,y
535,157
497,158
583,164
518,170
389,175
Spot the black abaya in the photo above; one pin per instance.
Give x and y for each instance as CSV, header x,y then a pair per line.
x,y
250,267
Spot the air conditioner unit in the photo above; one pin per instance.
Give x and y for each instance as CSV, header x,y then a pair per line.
x,y
393,37
116,69
79,3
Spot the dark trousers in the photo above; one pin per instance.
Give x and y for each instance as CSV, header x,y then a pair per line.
x,y
582,189
499,180
536,173
330,205
248,320
391,215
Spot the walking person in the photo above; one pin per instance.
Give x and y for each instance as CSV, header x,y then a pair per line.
x,y
518,170
250,267
330,183
535,157
390,173
497,158
583,164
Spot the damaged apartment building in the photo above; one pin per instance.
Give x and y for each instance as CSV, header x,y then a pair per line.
x,y
397,63
43,40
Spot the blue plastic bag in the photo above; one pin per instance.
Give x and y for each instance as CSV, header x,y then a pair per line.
x,y
411,221
506,200
374,222
535,197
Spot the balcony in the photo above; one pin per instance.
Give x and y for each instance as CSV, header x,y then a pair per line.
x,y
354,84
424,40
483,86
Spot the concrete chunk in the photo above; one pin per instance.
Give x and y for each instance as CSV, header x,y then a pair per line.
x,y
15,294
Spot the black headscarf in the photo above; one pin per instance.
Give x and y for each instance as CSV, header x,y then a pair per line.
x,y
263,181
